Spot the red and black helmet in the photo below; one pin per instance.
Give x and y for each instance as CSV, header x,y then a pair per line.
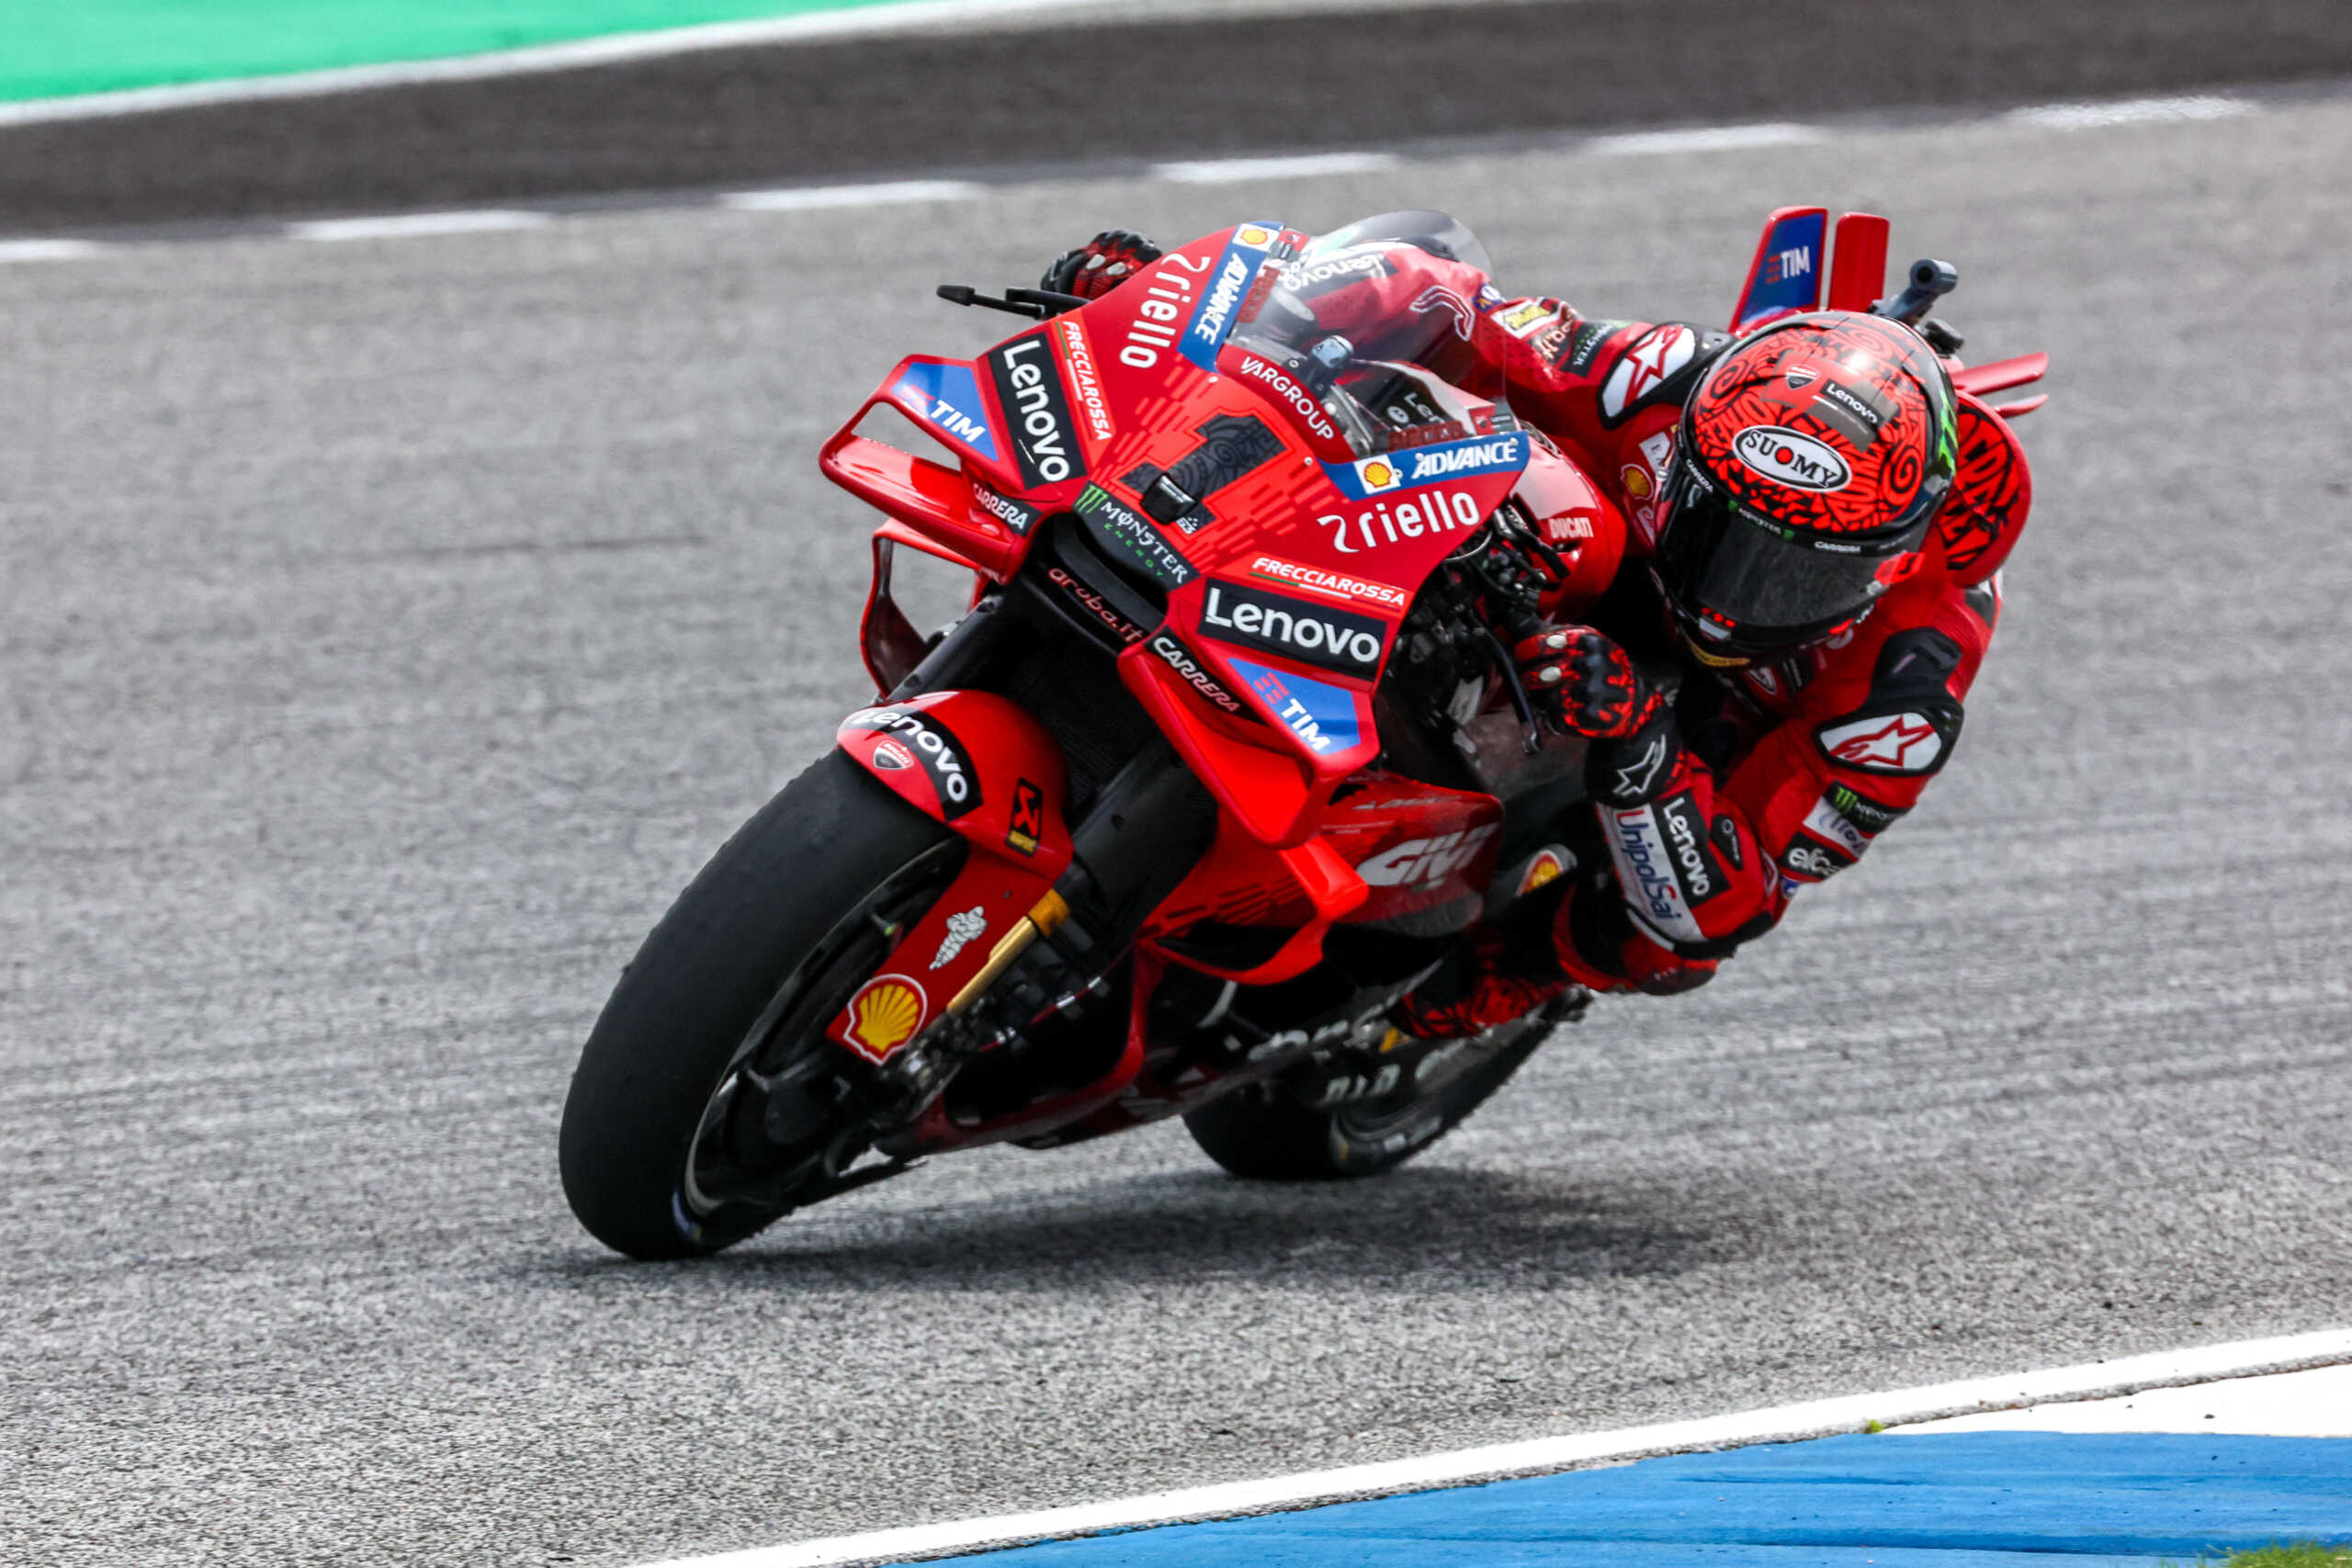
x,y
1811,462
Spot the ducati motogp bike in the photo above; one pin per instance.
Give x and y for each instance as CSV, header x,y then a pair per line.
x,y
1222,761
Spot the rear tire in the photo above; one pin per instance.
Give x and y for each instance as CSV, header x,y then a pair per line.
x,y
736,983
1268,1132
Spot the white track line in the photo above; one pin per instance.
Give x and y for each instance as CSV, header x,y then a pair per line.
x,y
48,250
1704,138
407,225
871,17
2131,111
1228,171
805,197
1815,1418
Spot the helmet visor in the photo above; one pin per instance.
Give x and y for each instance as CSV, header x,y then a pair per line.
x,y
1749,584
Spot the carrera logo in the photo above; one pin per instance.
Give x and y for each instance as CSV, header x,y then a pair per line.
x,y
1890,743
1004,509
1424,862
1791,457
1332,640
1179,657
1029,390
929,743
1323,581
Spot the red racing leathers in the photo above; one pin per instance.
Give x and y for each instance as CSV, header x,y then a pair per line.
x,y
1757,780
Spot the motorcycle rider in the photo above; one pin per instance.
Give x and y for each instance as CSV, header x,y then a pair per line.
x,y
1820,516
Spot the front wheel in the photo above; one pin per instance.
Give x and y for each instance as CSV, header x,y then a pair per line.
x,y
707,1101
1357,1117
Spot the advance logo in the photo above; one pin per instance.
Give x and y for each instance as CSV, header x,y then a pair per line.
x,y
1329,638
1368,476
1225,288
1029,390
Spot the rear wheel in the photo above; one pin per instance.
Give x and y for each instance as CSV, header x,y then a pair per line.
x,y
1341,1118
707,1101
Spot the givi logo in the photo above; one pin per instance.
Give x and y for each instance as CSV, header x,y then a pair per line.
x,y
1422,863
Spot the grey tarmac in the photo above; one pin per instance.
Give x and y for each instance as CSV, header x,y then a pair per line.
x,y
392,627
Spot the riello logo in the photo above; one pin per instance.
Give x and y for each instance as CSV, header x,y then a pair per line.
x,y
1791,457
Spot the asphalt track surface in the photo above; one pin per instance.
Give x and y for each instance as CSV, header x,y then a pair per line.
x,y
1049,93
391,627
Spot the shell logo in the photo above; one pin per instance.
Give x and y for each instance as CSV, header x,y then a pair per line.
x,y
886,1014
1251,234
1550,864
1637,481
1377,473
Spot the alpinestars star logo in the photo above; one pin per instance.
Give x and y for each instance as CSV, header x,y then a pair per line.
x,y
1893,743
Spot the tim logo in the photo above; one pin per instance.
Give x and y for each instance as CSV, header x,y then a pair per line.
x,y
1783,265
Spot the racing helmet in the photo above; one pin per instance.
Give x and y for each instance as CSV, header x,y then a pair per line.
x,y
1811,460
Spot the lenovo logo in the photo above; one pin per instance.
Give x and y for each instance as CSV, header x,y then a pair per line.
x,y
1312,634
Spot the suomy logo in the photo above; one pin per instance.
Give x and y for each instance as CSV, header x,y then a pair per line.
x,y
1791,457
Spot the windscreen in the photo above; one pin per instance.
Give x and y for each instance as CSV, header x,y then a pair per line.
x,y
1330,320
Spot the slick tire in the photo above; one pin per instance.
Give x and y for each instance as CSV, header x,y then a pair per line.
x,y
782,907
1265,1133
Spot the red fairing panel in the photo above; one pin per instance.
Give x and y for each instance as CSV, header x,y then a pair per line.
x,y
1286,583
977,762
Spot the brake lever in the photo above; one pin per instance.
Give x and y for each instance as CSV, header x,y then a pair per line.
x,y
1516,687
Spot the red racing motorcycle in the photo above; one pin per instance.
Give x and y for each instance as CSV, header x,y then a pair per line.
x,y
1224,758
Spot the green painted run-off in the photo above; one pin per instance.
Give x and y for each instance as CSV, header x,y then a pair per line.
x,y
53,48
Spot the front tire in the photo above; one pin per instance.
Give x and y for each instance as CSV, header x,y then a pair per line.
x,y
1275,1130
707,1101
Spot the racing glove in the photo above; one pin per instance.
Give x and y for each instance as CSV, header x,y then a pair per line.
x,y
1100,264
1584,684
